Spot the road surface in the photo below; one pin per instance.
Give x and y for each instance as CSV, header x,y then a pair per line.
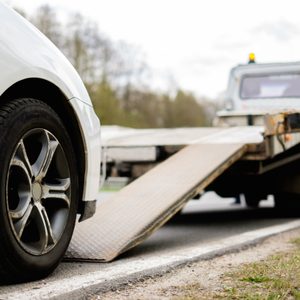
x,y
201,222
207,220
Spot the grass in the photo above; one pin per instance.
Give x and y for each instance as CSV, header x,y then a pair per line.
x,y
277,277
256,279
110,189
296,242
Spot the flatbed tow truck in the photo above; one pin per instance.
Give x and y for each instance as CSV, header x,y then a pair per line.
x,y
254,151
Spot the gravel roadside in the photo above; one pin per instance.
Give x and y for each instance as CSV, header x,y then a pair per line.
x,y
206,276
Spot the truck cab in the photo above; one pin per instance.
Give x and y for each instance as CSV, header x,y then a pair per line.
x,y
255,90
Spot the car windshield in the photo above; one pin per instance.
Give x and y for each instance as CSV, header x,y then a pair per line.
x,y
270,86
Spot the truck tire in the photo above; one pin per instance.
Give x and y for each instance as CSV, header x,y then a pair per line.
x,y
38,188
252,199
287,202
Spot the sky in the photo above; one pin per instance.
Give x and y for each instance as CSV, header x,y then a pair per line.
x,y
193,44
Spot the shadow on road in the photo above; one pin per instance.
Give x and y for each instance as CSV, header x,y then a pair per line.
x,y
192,228
221,216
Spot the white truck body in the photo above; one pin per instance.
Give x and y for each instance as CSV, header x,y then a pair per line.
x,y
258,89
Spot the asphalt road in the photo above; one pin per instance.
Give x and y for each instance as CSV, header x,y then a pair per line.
x,y
208,220
203,221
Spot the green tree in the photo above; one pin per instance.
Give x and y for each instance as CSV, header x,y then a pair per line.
x,y
187,111
107,105
114,72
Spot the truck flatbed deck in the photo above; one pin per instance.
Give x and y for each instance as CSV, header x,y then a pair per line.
x,y
204,158
181,136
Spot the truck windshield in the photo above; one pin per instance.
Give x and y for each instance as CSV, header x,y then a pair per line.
x,y
270,86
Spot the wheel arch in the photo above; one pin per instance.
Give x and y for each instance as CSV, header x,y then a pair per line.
x,y
49,93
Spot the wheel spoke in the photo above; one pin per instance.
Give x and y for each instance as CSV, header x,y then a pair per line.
x,y
22,207
51,238
42,227
41,166
57,191
46,234
20,225
21,155
17,162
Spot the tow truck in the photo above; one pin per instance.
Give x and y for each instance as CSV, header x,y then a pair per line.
x,y
254,150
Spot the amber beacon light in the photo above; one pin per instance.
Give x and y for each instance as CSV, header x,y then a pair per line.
x,y
251,58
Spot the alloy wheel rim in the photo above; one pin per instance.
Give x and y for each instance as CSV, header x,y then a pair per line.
x,y
38,191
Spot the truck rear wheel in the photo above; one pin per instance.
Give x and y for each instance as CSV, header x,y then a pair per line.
x,y
252,199
287,202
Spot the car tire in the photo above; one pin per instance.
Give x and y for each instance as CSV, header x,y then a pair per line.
x,y
38,188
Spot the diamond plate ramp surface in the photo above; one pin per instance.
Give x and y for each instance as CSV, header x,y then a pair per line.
x,y
132,214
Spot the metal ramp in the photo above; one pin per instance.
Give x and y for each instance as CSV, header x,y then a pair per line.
x,y
143,206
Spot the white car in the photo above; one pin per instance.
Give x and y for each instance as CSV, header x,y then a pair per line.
x,y
50,151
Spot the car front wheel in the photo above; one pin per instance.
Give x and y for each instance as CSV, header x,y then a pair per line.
x,y
39,190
